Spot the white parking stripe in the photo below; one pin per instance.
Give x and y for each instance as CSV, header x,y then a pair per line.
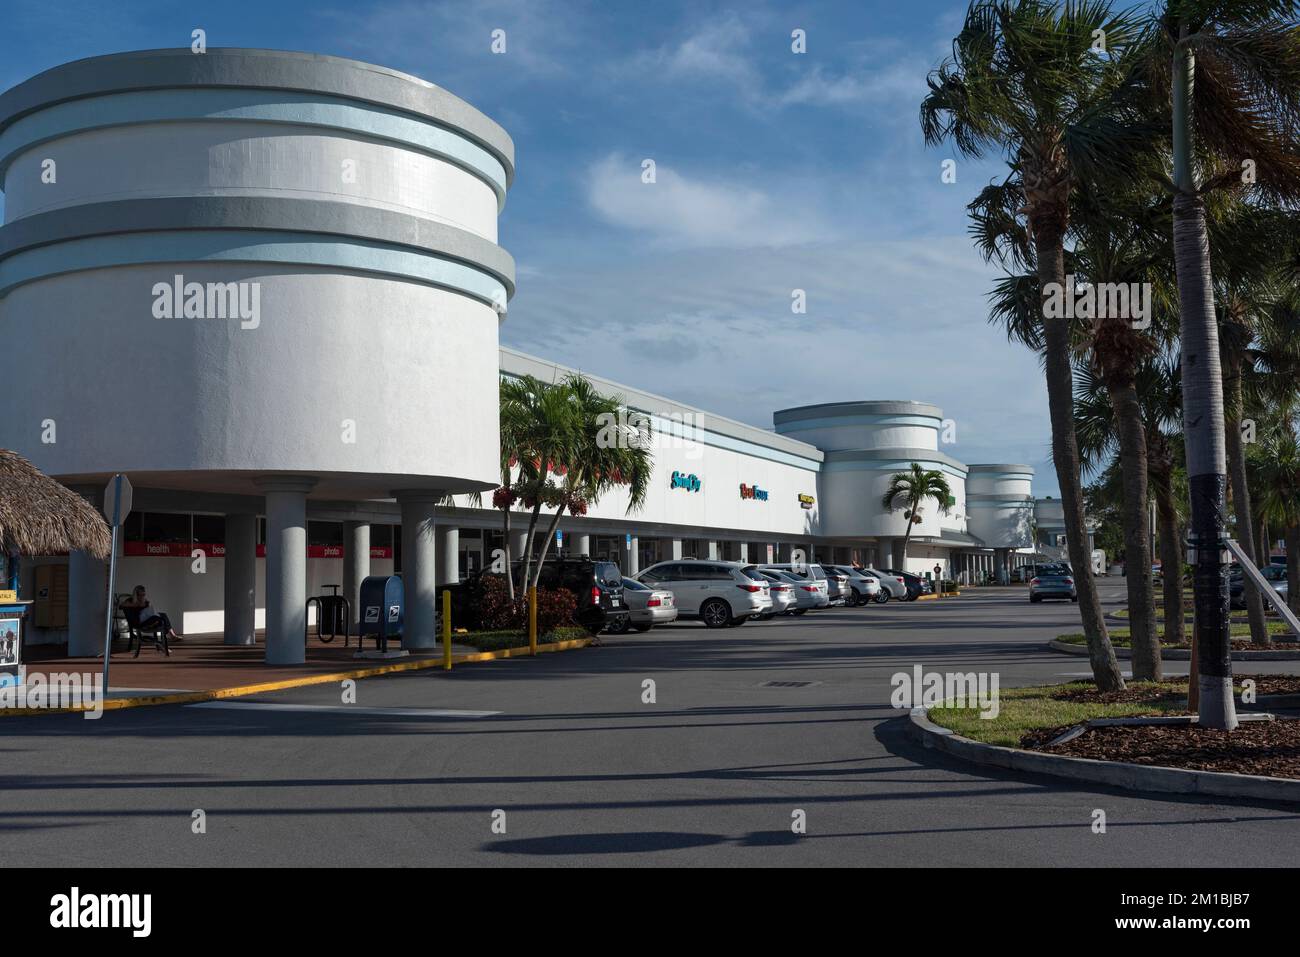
x,y
341,709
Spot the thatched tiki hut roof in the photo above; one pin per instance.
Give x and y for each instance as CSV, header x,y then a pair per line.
x,y
38,516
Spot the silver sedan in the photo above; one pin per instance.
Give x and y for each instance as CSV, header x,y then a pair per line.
x,y
648,606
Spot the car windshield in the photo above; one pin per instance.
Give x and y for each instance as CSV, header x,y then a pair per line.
x,y
608,573
1053,571
752,572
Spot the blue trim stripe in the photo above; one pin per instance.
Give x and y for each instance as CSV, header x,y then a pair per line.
x,y
221,245
831,422
874,465
272,106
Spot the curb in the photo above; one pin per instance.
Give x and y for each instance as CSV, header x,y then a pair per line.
x,y
239,691
1177,654
1130,777
934,597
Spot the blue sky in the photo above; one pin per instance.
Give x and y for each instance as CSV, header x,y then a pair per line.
x,y
775,171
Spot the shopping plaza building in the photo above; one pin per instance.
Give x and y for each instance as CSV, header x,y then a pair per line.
x,y
267,287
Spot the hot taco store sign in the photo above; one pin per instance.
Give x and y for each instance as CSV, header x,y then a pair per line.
x,y
753,492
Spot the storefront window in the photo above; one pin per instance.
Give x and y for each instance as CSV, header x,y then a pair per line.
x,y
164,527
325,533
210,529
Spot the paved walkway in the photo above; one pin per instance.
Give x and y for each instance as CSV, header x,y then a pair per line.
x,y
204,663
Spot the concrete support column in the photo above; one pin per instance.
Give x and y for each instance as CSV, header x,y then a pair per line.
x,y
419,568
677,548
581,545
286,568
783,553
448,554
885,553
631,550
87,594
356,565
714,553
240,618
744,552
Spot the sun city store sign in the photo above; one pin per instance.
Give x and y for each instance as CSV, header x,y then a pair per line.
x,y
753,491
689,482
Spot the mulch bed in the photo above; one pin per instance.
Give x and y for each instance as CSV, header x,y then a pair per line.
x,y
1092,695
1270,748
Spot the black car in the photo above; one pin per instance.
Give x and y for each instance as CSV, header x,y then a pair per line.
x,y
916,585
597,586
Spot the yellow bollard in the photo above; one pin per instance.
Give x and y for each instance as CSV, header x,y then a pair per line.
x,y
446,631
532,620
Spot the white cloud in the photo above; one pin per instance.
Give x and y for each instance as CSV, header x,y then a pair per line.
x,y
697,211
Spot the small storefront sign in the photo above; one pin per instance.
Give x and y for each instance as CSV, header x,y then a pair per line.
x,y
806,501
682,480
753,492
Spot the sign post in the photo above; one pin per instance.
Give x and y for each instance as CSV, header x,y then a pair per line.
x,y
117,506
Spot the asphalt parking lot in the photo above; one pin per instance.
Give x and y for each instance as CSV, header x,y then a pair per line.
x,y
569,759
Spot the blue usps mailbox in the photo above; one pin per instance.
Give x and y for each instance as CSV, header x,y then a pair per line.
x,y
382,609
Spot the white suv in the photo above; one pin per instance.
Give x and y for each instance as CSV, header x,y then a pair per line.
x,y
720,594
865,587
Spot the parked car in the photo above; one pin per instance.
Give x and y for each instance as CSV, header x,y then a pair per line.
x,y
864,587
835,590
646,607
916,585
891,586
807,592
720,594
1274,573
1053,581
596,586
783,597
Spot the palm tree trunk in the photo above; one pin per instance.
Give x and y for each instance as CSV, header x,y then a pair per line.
x,y
1145,640
1241,493
1050,250
1202,412
510,563
1171,561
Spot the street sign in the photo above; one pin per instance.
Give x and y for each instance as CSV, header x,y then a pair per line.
x,y
117,499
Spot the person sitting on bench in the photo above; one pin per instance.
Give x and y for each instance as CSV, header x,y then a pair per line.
x,y
150,617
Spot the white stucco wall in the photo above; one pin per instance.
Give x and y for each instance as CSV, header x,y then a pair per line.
x,y
413,366
231,158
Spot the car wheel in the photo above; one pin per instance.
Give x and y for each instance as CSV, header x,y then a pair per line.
x,y
768,617
799,611
1035,599
715,613
619,626
882,596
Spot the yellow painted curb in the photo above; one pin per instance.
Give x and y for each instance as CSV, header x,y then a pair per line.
x,y
239,691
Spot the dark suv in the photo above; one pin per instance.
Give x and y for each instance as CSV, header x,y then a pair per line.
x,y
597,586
916,585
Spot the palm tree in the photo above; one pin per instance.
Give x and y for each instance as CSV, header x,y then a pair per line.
x,y
1156,386
1024,81
1278,473
910,490
1242,58
589,466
